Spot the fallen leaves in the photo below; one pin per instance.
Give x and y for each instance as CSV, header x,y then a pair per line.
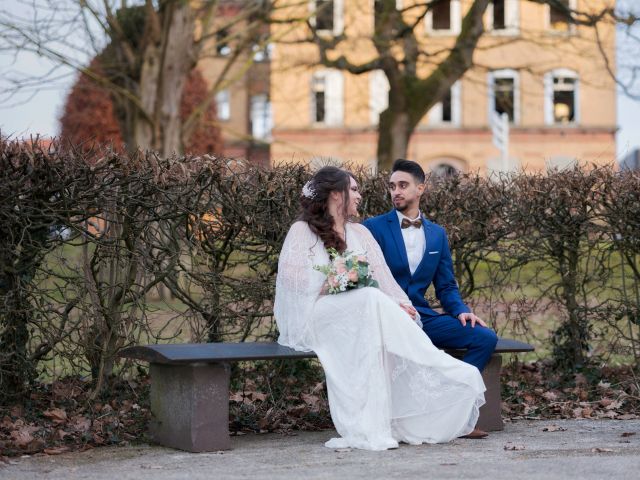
x,y
554,428
285,398
56,450
627,416
298,411
513,446
61,418
23,436
279,397
56,415
535,391
80,423
248,397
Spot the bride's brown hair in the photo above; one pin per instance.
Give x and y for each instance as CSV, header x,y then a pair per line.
x,y
313,204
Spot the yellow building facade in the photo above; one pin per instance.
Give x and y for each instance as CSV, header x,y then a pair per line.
x,y
552,78
241,82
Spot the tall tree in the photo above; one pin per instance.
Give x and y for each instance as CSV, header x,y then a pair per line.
x,y
89,115
148,48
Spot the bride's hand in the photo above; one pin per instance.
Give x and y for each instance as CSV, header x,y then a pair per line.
x,y
409,309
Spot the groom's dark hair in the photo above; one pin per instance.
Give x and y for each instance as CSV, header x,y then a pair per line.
x,y
410,167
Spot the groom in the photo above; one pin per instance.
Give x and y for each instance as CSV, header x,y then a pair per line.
x,y
417,252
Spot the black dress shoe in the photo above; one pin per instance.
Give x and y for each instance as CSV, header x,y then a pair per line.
x,y
476,434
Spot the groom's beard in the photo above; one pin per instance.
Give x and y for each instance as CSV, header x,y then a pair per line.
x,y
400,207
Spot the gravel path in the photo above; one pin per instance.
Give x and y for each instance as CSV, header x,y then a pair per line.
x,y
585,449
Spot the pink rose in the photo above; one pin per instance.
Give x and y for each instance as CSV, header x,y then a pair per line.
x,y
353,276
333,281
340,269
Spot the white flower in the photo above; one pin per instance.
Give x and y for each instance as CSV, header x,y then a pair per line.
x,y
308,191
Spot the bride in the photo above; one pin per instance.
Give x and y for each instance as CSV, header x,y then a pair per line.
x,y
386,381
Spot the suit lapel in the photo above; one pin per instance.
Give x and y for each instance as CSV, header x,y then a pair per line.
x,y
394,227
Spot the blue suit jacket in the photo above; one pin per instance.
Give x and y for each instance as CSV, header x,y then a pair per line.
x,y
436,265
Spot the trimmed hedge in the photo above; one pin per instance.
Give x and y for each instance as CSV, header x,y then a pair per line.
x,y
91,239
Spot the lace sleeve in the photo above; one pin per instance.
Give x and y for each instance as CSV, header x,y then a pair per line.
x,y
380,270
298,285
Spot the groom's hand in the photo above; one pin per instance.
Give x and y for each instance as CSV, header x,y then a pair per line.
x,y
470,317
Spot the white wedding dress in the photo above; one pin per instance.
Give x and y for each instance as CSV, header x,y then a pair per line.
x,y
386,381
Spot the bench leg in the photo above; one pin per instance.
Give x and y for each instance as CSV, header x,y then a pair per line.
x,y
190,406
490,413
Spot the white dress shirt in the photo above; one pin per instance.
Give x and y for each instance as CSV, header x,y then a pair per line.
x,y
414,242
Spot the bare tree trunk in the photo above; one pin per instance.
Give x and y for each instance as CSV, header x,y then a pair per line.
x,y
178,59
150,119
398,122
394,132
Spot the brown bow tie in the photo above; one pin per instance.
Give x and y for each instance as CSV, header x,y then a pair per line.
x,y
406,223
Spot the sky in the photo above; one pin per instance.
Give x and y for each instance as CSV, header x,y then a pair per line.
x,y
37,111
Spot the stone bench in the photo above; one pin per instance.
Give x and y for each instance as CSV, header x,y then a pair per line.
x,y
190,388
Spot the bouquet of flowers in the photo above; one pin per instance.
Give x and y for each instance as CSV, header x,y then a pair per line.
x,y
346,271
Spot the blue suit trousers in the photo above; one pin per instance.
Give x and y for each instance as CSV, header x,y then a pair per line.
x,y
446,331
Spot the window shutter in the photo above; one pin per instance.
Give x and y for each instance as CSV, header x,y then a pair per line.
x,y
435,114
334,97
512,15
456,17
378,95
548,98
456,103
223,105
338,17
261,117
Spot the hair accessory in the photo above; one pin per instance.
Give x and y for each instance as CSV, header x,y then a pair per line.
x,y
308,191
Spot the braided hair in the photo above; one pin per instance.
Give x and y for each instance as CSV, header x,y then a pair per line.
x,y
314,204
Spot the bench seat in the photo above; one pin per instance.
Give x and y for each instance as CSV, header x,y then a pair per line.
x,y
190,387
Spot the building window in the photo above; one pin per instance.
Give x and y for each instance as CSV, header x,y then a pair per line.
x,y
559,17
318,93
262,53
324,15
327,97
444,170
447,111
441,13
223,105
499,21
327,16
445,166
503,16
504,90
261,117
504,93
561,97
444,17
222,42
378,95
